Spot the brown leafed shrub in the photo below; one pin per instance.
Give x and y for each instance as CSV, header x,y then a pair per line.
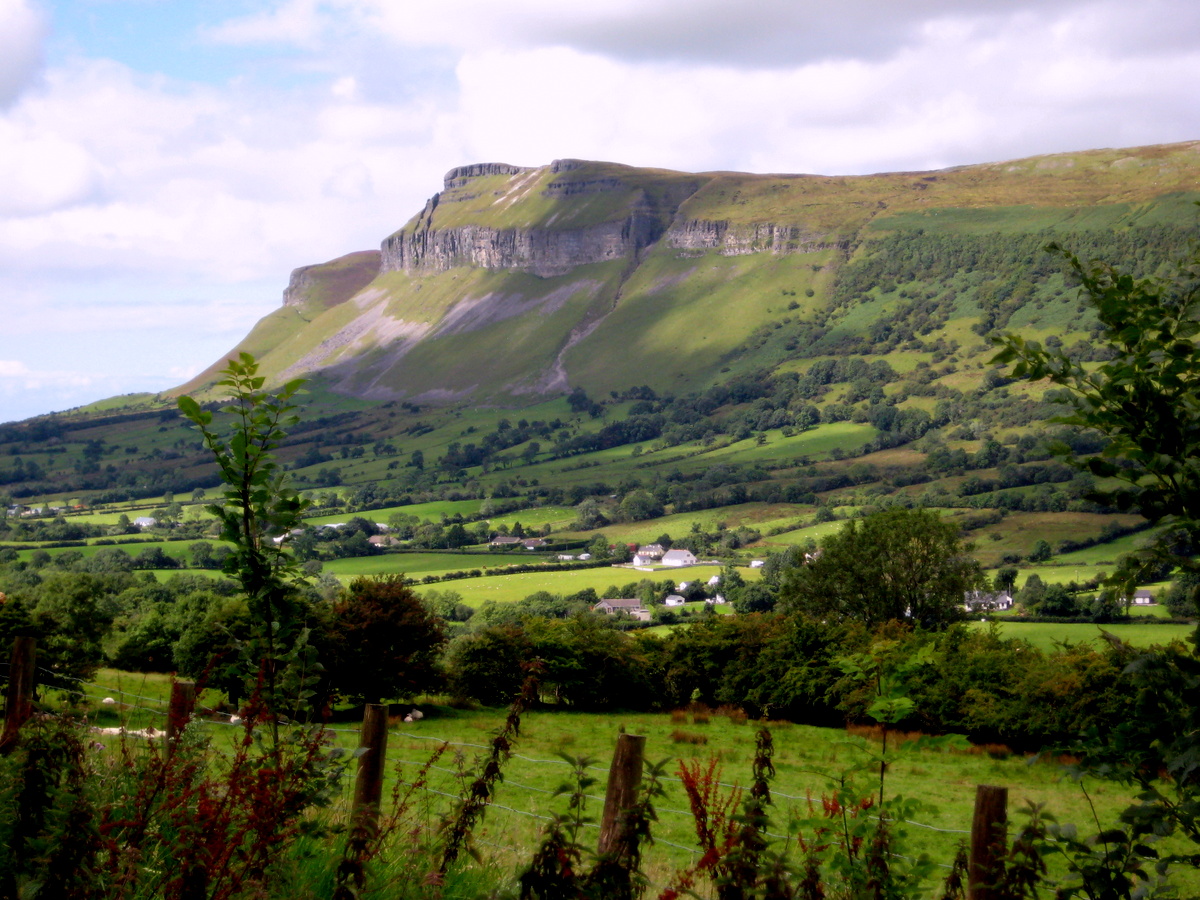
x,y
680,736
734,714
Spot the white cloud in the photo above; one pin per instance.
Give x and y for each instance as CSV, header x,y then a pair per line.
x,y
197,198
104,169
22,32
297,22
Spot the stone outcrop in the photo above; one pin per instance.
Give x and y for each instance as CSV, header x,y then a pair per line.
x,y
460,175
737,240
328,284
421,246
541,251
651,215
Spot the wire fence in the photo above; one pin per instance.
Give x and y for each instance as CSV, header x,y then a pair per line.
x,y
527,791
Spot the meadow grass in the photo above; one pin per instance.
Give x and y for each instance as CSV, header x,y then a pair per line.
x,y
809,761
433,511
412,563
133,547
1049,636
509,588
1018,532
1107,553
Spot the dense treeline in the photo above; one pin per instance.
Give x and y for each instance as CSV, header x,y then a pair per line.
x,y
994,690
102,610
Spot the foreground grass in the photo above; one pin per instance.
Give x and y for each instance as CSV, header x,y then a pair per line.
x,y
810,762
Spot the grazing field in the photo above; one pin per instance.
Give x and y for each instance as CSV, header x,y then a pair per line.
x,y
1018,532
413,564
808,763
1049,636
508,588
432,511
177,549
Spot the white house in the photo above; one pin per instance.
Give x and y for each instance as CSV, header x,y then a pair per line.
x,y
678,558
145,521
611,607
1143,598
976,601
756,563
673,600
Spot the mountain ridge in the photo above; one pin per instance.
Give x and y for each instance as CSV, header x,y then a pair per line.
x,y
516,281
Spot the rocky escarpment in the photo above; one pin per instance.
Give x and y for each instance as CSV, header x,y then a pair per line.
x,y
330,283
461,175
737,240
635,211
633,218
539,251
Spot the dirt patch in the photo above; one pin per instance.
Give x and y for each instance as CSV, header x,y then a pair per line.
x,y
473,313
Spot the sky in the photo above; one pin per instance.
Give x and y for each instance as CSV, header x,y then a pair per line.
x,y
165,164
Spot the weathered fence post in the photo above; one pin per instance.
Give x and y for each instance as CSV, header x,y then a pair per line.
x,y
624,780
18,697
368,782
989,840
183,701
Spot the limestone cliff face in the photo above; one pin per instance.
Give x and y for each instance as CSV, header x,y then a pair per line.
x,y
634,217
462,175
540,251
330,283
737,240
634,212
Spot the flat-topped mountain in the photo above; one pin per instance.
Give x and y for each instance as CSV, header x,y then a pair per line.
x,y
514,282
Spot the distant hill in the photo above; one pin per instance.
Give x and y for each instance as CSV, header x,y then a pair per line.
x,y
516,283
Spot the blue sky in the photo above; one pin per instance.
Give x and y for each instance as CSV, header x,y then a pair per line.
x,y
165,165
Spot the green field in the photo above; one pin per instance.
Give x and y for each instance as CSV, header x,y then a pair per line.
x,y
432,511
413,564
1048,636
808,762
178,549
508,588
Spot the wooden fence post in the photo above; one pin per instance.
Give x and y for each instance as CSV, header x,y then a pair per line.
x,y
183,701
368,782
18,697
624,780
989,841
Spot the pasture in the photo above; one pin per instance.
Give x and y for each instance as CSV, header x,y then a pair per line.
x,y
1049,636
809,764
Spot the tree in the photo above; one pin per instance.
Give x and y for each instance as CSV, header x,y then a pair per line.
x,y
1041,552
897,564
257,504
640,504
1032,592
385,642
1145,399
1005,579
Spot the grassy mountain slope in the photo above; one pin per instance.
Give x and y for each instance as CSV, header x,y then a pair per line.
x,y
517,282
